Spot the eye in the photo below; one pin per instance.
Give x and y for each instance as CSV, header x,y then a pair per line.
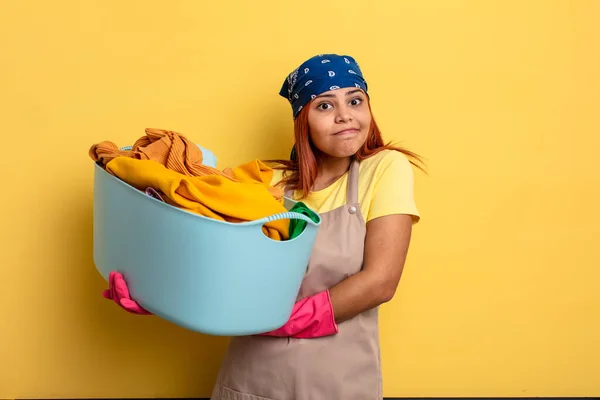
x,y
356,101
324,106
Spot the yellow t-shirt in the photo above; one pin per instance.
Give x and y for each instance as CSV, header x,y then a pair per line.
x,y
385,186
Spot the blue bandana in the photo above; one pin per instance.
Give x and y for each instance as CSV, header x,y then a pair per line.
x,y
318,75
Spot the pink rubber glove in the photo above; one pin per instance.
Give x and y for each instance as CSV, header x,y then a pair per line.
x,y
312,317
119,293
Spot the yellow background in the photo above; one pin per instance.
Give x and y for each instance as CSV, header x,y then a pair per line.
x,y
501,291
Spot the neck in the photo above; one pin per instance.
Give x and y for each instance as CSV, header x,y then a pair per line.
x,y
330,170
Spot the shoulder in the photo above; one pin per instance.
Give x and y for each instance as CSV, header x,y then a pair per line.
x,y
388,185
390,163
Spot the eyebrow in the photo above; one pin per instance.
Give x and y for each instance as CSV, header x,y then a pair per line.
x,y
347,94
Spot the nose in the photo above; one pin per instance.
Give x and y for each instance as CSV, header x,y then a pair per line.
x,y
343,114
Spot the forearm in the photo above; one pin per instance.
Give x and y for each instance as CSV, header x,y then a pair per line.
x,y
358,293
386,246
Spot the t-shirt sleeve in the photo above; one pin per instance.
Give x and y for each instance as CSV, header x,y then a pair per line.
x,y
393,188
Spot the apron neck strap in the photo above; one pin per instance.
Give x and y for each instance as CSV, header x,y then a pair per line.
x,y
352,194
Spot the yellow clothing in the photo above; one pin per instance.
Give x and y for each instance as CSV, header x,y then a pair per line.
x,y
169,148
213,196
385,186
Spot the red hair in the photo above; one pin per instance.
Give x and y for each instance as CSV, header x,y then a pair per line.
x,y
304,167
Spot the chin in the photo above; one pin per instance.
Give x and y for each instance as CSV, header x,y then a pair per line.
x,y
342,149
344,153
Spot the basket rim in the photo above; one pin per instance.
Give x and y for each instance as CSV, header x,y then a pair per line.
x,y
260,221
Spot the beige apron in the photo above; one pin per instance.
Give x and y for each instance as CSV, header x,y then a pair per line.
x,y
345,366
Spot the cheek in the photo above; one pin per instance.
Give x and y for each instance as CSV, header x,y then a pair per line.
x,y
318,139
365,119
318,131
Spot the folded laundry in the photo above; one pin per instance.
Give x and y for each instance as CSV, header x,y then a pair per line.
x,y
246,198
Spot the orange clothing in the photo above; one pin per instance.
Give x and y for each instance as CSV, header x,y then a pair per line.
x,y
246,198
169,148
173,151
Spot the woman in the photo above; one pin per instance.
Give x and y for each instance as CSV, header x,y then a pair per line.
x,y
363,190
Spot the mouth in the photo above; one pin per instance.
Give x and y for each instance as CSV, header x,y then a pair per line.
x,y
346,132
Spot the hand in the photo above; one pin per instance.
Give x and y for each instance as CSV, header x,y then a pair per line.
x,y
312,317
119,293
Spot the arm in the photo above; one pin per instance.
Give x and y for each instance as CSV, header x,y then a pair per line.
x,y
386,247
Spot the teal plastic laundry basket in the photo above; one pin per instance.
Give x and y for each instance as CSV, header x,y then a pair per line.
x,y
209,276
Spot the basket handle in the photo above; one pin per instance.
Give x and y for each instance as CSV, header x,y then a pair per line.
x,y
285,215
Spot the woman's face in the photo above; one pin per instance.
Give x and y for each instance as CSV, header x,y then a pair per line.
x,y
339,121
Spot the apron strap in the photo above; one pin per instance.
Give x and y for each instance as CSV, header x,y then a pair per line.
x,y
352,194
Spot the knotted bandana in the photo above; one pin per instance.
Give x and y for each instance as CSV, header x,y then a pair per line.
x,y
318,75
